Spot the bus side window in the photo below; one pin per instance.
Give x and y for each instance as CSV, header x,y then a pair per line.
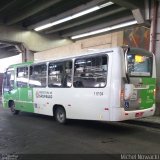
x,y
37,76
90,72
59,74
22,76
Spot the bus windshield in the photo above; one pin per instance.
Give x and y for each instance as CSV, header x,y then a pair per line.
x,y
139,65
8,82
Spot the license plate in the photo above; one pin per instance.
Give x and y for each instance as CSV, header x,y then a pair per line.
x,y
139,114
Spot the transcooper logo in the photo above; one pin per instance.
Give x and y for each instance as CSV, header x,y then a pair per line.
x,y
43,94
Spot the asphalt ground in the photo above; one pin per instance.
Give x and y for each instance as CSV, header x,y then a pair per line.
x,y
39,135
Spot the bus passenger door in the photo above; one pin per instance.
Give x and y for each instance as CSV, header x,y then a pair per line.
x,y
37,82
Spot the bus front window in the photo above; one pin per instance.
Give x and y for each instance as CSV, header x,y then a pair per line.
x,y
139,65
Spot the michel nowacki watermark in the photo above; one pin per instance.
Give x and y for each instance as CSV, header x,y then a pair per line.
x,y
140,156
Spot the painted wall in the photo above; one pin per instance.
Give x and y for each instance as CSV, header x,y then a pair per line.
x,y
81,46
137,37
134,37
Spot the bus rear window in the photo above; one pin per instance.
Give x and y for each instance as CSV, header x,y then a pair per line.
x,y
90,72
139,65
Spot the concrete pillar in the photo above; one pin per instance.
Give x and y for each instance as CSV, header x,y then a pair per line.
x,y
27,55
157,54
155,48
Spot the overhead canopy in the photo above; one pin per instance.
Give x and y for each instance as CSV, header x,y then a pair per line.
x,y
66,18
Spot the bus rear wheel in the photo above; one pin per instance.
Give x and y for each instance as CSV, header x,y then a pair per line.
x,y
60,115
13,109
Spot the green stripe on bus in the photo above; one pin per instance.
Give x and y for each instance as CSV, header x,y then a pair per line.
x,y
147,95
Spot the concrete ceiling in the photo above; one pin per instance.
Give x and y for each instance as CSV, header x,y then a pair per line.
x,y
29,14
9,49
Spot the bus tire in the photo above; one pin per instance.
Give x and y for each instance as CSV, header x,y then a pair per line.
x,y
60,115
12,108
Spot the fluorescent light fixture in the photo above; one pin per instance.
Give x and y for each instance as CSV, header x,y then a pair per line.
x,y
106,4
105,29
43,27
85,12
82,13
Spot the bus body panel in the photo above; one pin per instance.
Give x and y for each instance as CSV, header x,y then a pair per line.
x,y
143,96
116,78
104,104
79,103
94,103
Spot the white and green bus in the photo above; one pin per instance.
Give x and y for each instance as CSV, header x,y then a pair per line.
x,y
106,85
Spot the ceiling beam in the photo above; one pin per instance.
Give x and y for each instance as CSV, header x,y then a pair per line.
x,y
3,7
29,11
5,45
18,48
5,53
97,27
130,4
147,10
33,41
11,7
67,13
94,17
138,16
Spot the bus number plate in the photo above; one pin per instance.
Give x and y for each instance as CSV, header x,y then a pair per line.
x,y
98,93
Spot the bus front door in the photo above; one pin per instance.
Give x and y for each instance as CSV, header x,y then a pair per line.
x,y
26,99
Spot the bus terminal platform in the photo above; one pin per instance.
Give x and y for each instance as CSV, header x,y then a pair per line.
x,y
153,121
